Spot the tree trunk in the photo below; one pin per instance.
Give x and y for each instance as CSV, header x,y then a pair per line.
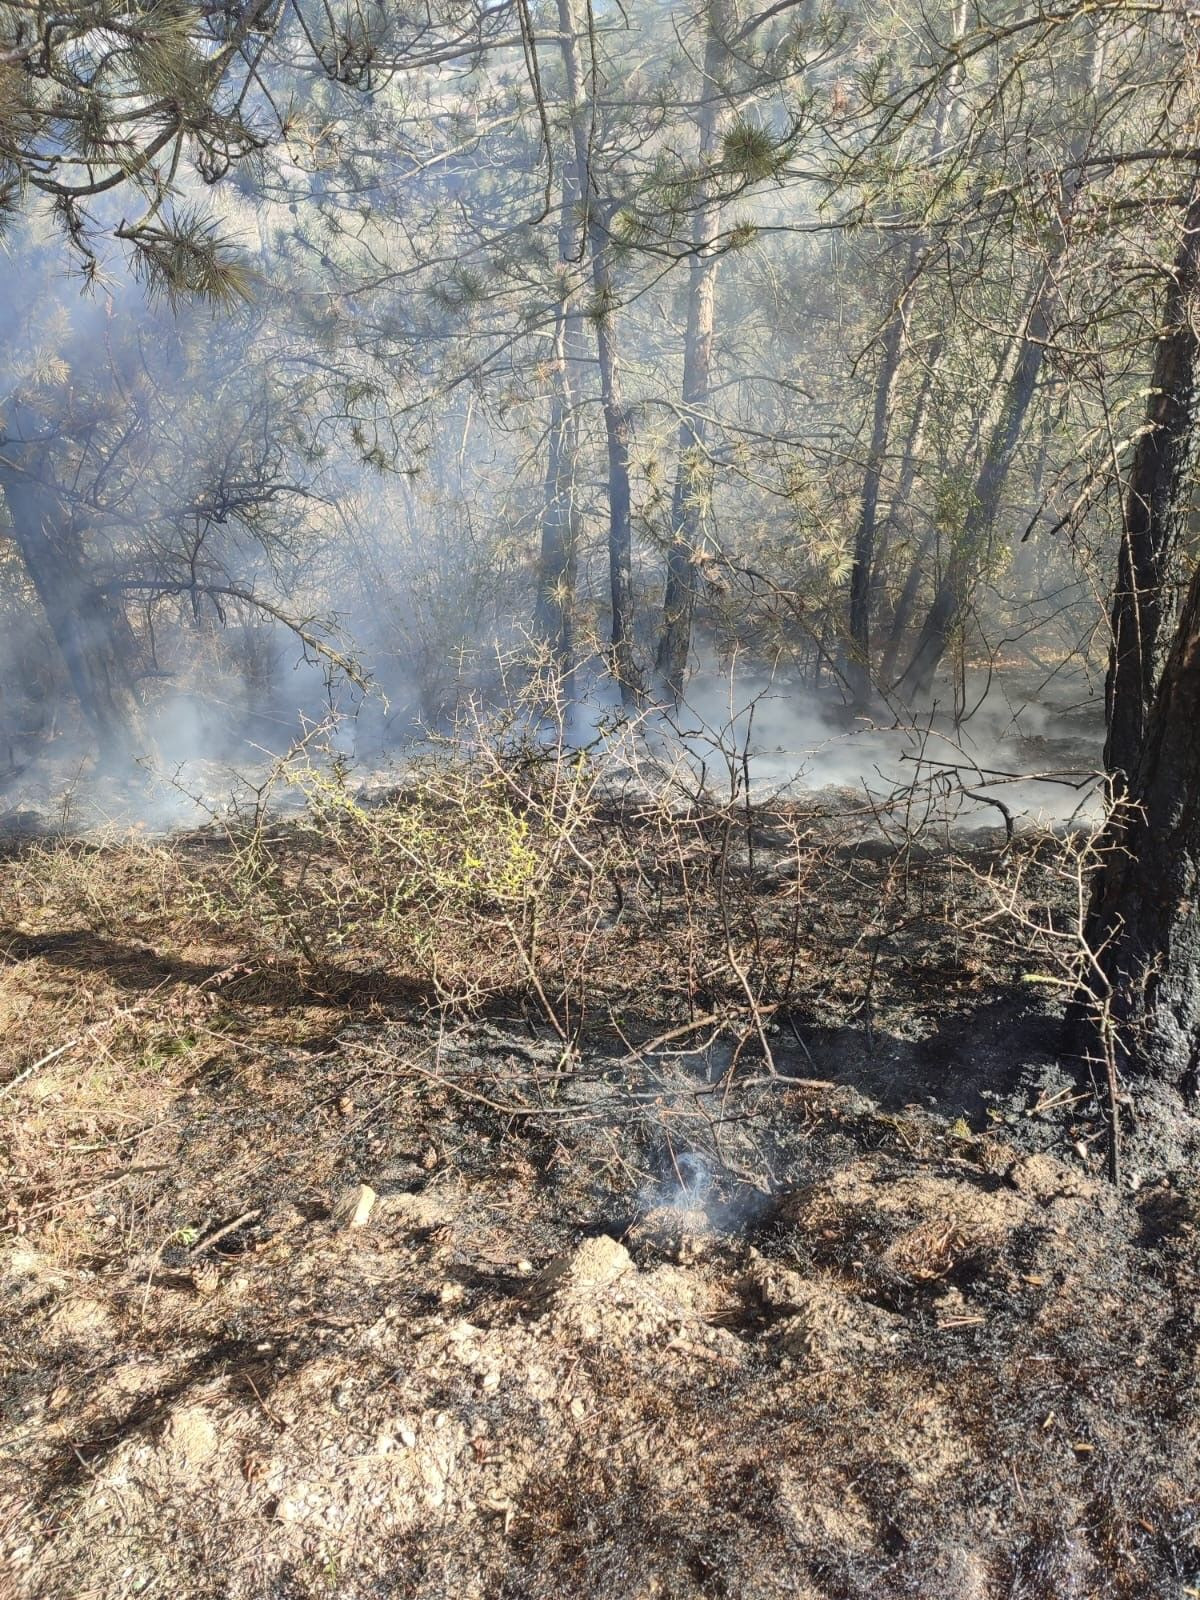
x,y
557,562
970,549
1156,509
618,427
865,553
693,477
1144,924
92,635
858,663
964,565
906,602
619,434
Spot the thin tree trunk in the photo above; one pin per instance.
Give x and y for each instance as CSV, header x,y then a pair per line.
x,y
557,562
969,550
865,542
1156,509
858,663
693,478
906,603
619,434
618,426
963,568
92,635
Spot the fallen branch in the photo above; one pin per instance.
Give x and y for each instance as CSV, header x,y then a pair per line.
x,y
45,1061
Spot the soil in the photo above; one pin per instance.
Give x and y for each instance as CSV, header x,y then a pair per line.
x,y
317,1292
652,1337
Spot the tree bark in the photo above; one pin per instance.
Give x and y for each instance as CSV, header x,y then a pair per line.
x,y
554,616
556,562
619,435
963,568
907,599
693,477
1144,923
1165,462
865,553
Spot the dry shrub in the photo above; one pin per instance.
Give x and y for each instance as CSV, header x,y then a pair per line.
x,y
512,862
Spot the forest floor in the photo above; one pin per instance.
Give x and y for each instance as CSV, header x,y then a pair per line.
x,y
316,1281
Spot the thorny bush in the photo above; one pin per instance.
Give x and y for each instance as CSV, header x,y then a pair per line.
x,y
616,883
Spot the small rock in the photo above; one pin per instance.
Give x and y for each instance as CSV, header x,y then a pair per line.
x,y
1043,1178
594,1264
354,1207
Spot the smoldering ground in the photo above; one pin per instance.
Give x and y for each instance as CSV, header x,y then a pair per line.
x,y
619,1326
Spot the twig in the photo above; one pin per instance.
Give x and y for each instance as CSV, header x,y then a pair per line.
x,y
671,1035
990,800
225,1230
45,1061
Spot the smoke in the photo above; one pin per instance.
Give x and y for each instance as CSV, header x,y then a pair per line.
x,y
774,738
361,451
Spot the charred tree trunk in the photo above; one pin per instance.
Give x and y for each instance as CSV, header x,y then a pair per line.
x,y
618,426
906,605
692,474
1156,511
1144,926
91,633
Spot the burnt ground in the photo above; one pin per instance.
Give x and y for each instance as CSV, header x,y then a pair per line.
x,y
625,1320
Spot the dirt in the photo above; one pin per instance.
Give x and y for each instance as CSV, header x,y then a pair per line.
x,y
312,1284
620,1332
